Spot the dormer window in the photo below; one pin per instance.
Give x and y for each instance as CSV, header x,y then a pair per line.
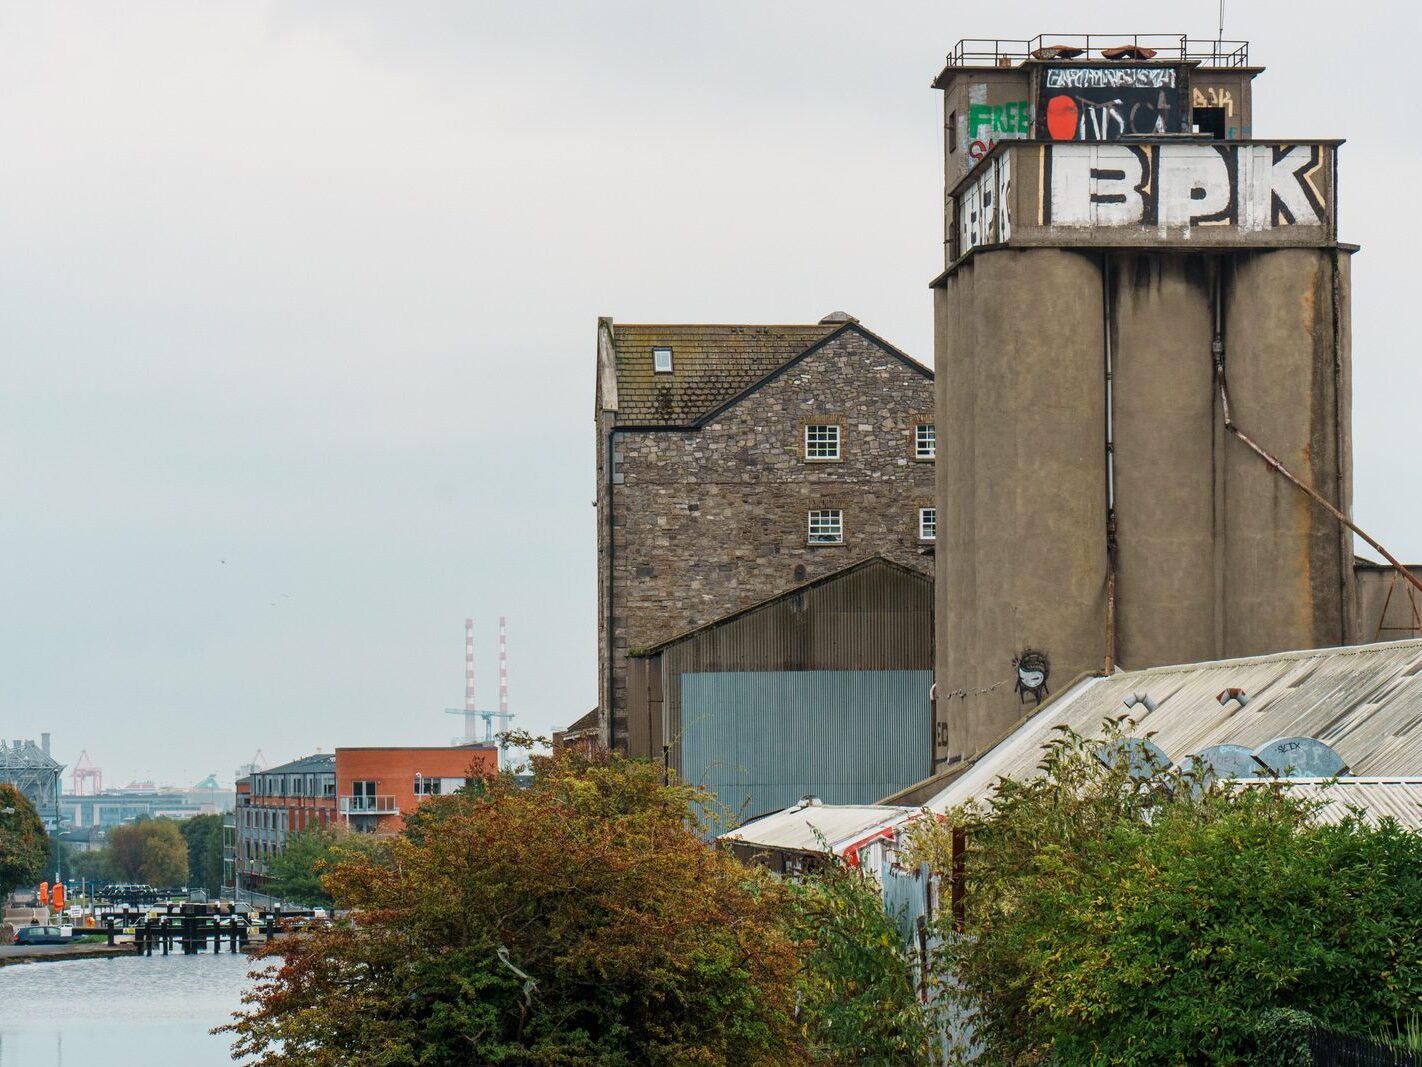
x,y
662,360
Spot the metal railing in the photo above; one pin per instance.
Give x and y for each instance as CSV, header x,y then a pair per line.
x,y
367,805
984,52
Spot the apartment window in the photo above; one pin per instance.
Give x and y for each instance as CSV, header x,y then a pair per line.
x,y
426,787
927,524
827,527
821,441
662,360
925,441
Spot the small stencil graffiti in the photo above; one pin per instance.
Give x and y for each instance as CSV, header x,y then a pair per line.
x,y
1033,669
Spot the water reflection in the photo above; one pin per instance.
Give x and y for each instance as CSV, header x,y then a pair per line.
x,y
135,1011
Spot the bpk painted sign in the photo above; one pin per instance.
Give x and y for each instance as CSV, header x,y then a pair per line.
x,y
1147,194
1179,186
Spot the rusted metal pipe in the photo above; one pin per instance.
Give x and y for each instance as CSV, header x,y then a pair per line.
x,y
1276,465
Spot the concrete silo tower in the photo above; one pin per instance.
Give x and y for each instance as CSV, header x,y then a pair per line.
x,y
1122,255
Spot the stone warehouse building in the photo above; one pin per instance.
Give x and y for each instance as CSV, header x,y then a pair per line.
x,y
737,461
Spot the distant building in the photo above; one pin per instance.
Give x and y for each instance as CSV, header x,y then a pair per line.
x,y
582,734
275,802
103,811
824,689
368,790
734,462
30,769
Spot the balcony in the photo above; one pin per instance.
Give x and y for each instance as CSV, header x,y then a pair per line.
x,y
351,805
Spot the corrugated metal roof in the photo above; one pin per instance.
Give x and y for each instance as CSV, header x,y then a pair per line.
x,y
841,825
1364,701
1374,798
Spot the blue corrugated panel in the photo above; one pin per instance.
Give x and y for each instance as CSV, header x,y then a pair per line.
x,y
760,740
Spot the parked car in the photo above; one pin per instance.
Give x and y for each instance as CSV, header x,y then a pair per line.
x,y
41,935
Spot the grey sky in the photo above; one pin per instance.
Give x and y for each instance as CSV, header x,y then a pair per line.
x,y
310,288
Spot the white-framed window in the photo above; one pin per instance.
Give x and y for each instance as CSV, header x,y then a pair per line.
x,y
821,440
426,787
827,526
927,524
662,360
925,441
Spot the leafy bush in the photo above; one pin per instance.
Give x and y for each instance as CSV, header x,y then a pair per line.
x,y
859,1005
1149,920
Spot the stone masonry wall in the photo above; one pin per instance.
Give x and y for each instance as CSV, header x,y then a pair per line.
x,y
709,521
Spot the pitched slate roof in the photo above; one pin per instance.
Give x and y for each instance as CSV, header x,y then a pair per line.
x,y
711,364
321,762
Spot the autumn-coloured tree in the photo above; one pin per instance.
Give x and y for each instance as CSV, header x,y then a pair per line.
x,y
151,851
580,920
24,846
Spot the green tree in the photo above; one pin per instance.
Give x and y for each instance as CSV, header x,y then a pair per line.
x,y
203,834
24,845
150,851
297,870
858,1001
1115,917
640,943
90,866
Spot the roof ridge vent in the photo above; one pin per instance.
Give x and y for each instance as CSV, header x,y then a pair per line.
x,y
836,318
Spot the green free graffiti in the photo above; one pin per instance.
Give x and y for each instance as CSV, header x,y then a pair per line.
x,y
1015,117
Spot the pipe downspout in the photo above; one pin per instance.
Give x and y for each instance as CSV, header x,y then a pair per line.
x,y
1107,323
1277,466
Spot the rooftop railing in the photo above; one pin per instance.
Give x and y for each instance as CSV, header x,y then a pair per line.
x,y
366,805
1168,47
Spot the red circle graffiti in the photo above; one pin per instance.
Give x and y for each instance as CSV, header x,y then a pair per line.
x,y
977,150
1061,118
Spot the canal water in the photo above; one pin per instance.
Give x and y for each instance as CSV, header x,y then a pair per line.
x,y
124,1012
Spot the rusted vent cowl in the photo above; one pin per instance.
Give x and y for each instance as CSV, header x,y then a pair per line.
x,y
1128,51
1057,51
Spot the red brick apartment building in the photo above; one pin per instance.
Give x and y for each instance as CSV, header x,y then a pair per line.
x,y
368,790
377,787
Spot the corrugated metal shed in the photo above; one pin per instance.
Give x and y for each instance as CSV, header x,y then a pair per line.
x,y
1365,701
1375,799
800,828
874,615
760,740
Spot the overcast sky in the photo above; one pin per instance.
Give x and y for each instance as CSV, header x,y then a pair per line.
x,y
297,309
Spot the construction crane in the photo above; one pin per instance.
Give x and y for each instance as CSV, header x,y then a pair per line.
x,y
470,711
86,780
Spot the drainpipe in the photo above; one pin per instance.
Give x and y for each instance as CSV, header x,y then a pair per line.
x,y
1275,464
611,456
1107,321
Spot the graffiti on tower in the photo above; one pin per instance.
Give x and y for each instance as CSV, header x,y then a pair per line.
x,y
1108,103
1100,193
1253,187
